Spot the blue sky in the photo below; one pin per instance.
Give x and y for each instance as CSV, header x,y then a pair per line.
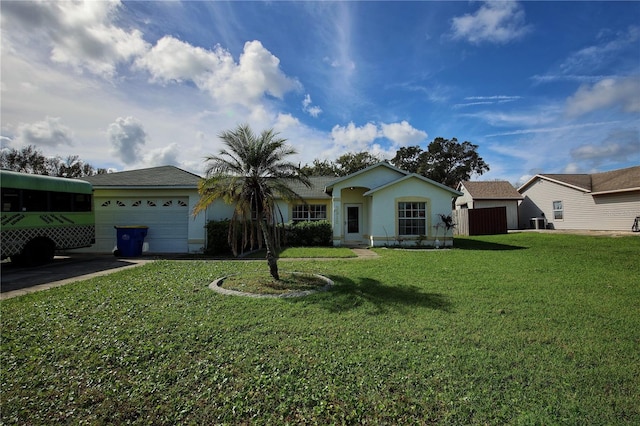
x,y
550,87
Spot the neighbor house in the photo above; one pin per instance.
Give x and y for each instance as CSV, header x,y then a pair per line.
x,y
375,206
607,201
490,194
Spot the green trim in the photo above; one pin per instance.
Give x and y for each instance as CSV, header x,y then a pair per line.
x,y
10,179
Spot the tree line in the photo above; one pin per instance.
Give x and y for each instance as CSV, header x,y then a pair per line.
x,y
31,160
446,161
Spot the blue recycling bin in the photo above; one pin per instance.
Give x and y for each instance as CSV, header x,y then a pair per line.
x,y
130,240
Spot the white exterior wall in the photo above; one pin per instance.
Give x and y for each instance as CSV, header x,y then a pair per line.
x,y
465,198
512,210
186,236
344,194
219,210
613,212
384,211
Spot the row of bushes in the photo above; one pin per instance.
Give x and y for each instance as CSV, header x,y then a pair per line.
x,y
298,234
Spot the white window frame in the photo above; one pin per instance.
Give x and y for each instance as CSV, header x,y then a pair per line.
x,y
412,212
558,210
308,212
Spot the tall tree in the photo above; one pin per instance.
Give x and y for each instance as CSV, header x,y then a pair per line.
x,y
342,166
249,174
25,160
320,168
408,158
446,161
353,162
31,160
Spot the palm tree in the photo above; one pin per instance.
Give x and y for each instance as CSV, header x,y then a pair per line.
x,y
250,174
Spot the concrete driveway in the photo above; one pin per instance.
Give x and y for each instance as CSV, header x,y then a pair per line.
x,y
16,281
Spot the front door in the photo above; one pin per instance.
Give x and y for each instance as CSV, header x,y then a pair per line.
x,y
353,224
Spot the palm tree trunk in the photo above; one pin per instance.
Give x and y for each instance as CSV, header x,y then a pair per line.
x,y
272,260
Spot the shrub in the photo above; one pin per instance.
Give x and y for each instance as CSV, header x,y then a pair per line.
x,y
300,234
217,237
317,233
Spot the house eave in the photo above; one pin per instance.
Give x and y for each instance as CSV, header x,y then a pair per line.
x,y
559,182
616,191
452,191
144,187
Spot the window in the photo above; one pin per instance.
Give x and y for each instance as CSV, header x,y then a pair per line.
x,y
309,212
412,218
557,210
10,200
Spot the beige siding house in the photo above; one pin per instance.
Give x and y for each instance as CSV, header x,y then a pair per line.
x,y
607,201
480,195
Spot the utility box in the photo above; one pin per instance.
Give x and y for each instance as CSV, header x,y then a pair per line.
x,y
130,240
538,223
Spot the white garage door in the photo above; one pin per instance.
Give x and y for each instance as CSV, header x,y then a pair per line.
x,y
167,219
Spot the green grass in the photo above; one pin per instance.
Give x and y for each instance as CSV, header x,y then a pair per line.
x,y
510,329
261,282
308,252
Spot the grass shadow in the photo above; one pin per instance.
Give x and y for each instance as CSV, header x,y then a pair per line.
x,y
470,244
348,294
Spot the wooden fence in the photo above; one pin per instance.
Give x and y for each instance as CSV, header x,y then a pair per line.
x,y
486,221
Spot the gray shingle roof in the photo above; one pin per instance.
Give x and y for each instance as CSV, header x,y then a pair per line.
x,y
491,190
318,184
163,176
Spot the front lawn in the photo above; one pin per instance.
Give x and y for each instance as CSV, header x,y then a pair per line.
x,y
510,329
306,252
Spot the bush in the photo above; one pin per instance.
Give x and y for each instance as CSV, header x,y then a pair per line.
x,y
300,234
217,241
307,234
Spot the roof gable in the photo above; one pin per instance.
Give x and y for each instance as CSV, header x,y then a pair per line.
x,y
163,176
620,180
366,170
491,190
414,176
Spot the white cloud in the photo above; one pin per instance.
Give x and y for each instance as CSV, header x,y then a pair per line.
x,y
354,138
174,60
486,100
310,109
623,92
127,136
559,129
613,50
619,145
167,155
593,57
495,22
49,132
78,34
257,72
402,134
